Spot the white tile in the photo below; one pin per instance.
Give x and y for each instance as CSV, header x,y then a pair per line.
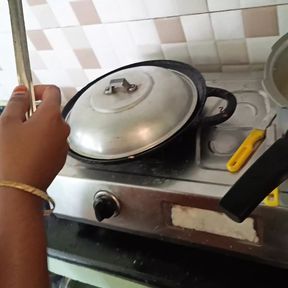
x,y
56,38
219,5
102,45
30,45
63,12
176,51
6,48
78,77
45,16
5,25
50,59
161,8
227,25
8,81
256,3
197,27
150,52
108,10
191,6
76,37
122,43
144,32
31,22
282,12
203,52
36,61
68,59
132,9
93,74
259,48
58,77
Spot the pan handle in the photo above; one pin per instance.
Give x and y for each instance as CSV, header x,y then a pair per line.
x,y
224,114
267,173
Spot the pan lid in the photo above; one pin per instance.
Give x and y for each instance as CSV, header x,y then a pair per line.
x,y
130,111
276,72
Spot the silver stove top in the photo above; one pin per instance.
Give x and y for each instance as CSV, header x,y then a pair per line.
x,y
202,157
174,194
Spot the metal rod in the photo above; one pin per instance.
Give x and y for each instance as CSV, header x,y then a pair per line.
x,y
21,50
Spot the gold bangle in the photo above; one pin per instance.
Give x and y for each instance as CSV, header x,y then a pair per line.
x,y
32,190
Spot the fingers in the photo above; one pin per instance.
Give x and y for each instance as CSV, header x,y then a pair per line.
x,y
17,106
51,99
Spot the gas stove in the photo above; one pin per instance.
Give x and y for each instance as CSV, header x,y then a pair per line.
x,y
174,194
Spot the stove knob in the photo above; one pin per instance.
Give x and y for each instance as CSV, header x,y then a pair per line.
x,y
105,205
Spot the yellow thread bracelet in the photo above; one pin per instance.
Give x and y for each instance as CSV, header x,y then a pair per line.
x,y
32,190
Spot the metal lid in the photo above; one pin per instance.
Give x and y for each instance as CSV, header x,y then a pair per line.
x,y
276,71
130,111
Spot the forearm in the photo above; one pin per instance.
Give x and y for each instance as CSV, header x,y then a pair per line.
x,y
22,240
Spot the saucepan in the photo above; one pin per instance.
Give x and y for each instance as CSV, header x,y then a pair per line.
x,y
271,169
138,109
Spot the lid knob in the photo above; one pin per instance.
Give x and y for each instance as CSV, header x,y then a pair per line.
x,y
119,84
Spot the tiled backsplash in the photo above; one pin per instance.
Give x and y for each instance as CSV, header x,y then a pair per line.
x,y
72,42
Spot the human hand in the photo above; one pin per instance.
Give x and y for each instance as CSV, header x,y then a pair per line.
x,y
33,151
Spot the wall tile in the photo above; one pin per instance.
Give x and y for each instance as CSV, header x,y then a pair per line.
x,y
67,59
260,22
50,59
132,9
170,30
176,51
31,22
87,58
282,12
256,3
232,51
102,45
108,10
197,27
76,37
144,32
191,7
259,48
36,2
93,74
227,25
39,40
150,52
56,38
216,5
85,12
235,68
58,77
45,16
161,8
67,18
78,77
208,67
203,52
35,61
122,43
4,17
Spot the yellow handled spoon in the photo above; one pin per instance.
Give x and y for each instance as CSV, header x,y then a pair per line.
x,y
246,149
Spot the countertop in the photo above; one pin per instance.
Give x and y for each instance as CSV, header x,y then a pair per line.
x,y
154,262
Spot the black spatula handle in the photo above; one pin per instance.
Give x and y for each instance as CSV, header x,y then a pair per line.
x,y
267,173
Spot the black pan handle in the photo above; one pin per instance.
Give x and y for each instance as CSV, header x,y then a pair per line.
x,y
266,174
227,112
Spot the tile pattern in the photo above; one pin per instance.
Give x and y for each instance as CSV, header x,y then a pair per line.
x,y
260,22
94,36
